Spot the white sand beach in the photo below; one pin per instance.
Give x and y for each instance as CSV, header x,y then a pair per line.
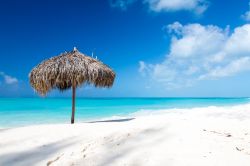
x,y
212,136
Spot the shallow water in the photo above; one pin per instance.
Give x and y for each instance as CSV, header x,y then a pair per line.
x,y
28,111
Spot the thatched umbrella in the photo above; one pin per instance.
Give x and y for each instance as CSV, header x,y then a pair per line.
x,y
70,69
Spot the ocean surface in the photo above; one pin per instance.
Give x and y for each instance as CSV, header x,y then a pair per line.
x,y
15,112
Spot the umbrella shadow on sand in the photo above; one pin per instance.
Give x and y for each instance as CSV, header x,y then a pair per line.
x,y
114,120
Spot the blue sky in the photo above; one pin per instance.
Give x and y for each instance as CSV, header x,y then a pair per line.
x,y
158,48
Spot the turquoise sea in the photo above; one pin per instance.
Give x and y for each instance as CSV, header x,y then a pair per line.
x,y
29,111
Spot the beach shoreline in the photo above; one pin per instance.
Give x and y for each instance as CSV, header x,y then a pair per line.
x,y
217,136
35,111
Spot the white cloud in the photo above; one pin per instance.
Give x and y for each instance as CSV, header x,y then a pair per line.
x,y
142,67
197,6
122,4
236,66
200,52
8,79
246,15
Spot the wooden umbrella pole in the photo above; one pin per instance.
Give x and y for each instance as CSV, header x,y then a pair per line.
x,y
73,103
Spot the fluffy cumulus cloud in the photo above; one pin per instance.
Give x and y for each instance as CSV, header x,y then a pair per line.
x,y
199,52
197,6
8,79
246,15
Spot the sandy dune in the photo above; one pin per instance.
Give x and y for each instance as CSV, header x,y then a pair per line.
x,y
213,136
